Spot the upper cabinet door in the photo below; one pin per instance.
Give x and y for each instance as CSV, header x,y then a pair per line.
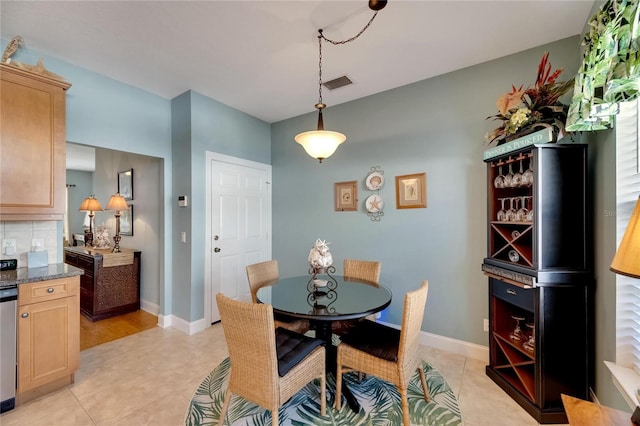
x,y
32,145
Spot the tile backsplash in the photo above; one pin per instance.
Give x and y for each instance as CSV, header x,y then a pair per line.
x,y
24,233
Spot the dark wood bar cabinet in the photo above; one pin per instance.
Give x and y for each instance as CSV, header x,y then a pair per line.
x,y
539,257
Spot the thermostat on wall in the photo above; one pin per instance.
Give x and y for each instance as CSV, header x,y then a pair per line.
x,y
182,201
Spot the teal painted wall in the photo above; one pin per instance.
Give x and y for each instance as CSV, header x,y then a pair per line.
x,y
106,113
82,188
602,146
434,126
202,124
181,181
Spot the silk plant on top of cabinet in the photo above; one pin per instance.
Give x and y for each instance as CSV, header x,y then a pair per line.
x,y
32,145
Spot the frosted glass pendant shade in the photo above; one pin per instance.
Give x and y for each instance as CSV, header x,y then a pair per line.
x,y
320,144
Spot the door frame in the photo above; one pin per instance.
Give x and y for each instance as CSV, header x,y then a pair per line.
x,y
209,157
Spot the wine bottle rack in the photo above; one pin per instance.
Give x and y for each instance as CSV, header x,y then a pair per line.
x,y
511,209
510,359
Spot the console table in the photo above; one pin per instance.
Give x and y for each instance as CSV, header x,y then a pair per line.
x,y
110,285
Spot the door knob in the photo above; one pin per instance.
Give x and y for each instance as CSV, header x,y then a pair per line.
x,y
217,249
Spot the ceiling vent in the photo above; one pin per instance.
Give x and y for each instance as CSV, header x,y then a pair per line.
x,y
337,82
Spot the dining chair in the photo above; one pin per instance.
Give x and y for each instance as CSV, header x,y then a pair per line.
x,y
386,352
367,271
266,273
268,365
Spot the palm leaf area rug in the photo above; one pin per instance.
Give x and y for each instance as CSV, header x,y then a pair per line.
x,y
379,401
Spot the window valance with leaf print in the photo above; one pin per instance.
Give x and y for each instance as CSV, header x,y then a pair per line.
x,y
610,72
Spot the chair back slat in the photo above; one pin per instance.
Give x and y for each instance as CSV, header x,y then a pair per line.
x,y
367,270
412,315
260,275
250,334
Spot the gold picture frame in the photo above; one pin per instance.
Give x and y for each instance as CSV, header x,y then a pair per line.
x,y
411,191
346,196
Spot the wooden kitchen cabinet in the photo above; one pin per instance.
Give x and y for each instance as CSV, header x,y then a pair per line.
x,y
32,145
48,334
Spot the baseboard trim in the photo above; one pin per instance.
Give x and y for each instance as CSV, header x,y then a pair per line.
x,y
460,347
186,327
152,308
470,350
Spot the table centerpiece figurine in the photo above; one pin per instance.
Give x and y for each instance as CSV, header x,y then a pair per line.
x,y
102,239
321,263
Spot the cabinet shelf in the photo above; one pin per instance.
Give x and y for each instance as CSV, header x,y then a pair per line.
x,y
520,363
518,347
512,242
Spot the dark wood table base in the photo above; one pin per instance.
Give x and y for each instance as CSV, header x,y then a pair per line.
x,y
323,332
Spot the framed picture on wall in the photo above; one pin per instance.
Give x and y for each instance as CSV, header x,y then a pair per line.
x,y
411,191
125,184
346,194
126,222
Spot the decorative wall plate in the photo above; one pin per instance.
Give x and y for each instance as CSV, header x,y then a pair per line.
x,y
374,181
374,203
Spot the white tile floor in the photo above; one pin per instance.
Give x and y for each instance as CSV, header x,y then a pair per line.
x,y
149,378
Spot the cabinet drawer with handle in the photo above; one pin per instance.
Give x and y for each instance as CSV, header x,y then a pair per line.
x,y
41,291
518,296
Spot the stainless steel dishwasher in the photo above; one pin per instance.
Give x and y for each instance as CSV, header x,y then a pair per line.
x,y
8,302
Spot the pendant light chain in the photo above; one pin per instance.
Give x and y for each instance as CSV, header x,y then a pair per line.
x,y
321,37
354,37
321,144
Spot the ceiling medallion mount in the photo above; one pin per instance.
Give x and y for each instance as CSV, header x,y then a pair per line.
x,y
377,4
320,143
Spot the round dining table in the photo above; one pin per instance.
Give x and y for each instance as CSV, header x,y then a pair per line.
x,y
322,300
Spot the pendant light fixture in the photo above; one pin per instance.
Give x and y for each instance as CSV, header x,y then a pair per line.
x,y
321,143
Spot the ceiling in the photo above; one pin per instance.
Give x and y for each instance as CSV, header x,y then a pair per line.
x,y
261,57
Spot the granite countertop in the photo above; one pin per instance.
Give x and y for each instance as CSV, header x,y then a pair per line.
x,y
28,275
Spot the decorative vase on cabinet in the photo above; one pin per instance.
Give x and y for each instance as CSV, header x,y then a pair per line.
x,y
32,145
540,282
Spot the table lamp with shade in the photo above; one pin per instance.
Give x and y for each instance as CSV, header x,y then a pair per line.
x,y
627,258
627,262
90,205
117,203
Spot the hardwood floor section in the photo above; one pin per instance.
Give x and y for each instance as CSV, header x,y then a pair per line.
x,y
106,330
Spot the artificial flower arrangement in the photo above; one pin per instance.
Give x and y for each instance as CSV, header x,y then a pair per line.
x,y
526,110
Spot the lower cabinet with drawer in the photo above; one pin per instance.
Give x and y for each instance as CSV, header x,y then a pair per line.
x,y
110,285
541,343
48,333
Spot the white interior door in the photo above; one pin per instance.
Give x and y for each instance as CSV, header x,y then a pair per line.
x,y
239,219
